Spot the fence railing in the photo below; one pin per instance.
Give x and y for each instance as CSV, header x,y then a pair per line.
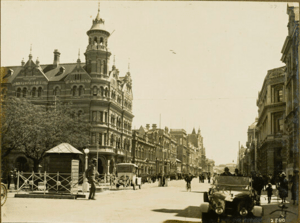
x,y
45,182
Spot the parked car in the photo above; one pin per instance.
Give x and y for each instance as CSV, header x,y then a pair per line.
x,y
230,199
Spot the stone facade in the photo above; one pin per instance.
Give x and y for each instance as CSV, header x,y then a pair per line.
x,y
271,104
290,57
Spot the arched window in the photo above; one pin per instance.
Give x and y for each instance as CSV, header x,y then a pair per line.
x,y
79,113
90,41
105,66
112,140
101,41
74,90
102,91
24,92
33,92
56,91
95,40
39,92
98,66
106,92
95,91
81,91
18,92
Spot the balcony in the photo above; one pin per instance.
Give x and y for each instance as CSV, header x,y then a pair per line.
x,y
103,149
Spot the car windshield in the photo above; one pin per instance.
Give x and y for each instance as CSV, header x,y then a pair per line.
x,y
232,182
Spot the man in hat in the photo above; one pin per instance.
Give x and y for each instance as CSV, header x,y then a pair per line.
x,y
226,172
91,174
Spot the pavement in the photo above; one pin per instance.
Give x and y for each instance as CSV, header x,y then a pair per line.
x,y
172,204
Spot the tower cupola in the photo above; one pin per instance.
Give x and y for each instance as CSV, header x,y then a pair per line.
x,y
97,54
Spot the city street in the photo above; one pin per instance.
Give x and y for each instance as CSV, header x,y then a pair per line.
x,y
150,204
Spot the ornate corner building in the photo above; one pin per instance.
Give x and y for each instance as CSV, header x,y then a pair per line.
x,y
100,94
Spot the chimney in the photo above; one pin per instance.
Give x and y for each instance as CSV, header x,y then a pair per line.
x,y
56,57
154,126
147,126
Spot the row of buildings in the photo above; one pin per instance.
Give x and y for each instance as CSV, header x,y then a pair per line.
x,y
105,97
273,139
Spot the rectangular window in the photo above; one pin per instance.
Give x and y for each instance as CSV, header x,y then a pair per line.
x,y
278,122
93,138
100,139
94,116
277,93
101,116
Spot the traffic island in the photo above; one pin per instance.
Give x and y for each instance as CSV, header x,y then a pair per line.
x,y
50,195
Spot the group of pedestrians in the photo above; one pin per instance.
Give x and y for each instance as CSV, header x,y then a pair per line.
x,y
11,177
281,183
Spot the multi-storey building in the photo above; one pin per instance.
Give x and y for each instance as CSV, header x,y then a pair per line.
x,y
182,143
199,158
94,90
251,158
290,57
144,151
271,114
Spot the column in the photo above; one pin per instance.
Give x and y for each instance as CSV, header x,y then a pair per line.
x,y
108,163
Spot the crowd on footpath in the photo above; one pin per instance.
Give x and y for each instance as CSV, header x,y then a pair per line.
x,y
263,183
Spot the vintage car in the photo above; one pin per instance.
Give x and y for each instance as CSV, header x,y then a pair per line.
x,y
230,199
127,175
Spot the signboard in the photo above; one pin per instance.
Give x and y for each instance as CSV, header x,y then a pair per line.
x,y
178,169
74,176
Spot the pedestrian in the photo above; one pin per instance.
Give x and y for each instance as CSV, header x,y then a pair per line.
x,y
91,174
15,177
295,186
208,177
188,180
258,184
269,190
9,177
283,187
200,178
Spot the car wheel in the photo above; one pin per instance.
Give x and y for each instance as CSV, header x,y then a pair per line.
x,y
117,186
205,197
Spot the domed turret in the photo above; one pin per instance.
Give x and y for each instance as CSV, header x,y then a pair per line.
x,y
97,54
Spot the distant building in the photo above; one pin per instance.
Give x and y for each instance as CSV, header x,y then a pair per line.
x,y
182,150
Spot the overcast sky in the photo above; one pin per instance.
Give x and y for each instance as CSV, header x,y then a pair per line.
x,y
223,51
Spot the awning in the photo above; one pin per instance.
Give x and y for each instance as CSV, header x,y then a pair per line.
x,y
177,160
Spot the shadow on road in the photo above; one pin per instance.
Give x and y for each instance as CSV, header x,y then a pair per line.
x,y
189,212
179,221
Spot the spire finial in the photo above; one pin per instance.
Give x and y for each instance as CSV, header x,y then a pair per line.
x,y
128,64
114,60
30,55
79,53
98,6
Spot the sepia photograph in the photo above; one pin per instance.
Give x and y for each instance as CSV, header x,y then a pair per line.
x,y
149,111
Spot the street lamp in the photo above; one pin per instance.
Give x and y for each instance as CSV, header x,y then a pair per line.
x,y
85,184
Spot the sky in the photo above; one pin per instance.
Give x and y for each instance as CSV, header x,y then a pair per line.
x,y
222,52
